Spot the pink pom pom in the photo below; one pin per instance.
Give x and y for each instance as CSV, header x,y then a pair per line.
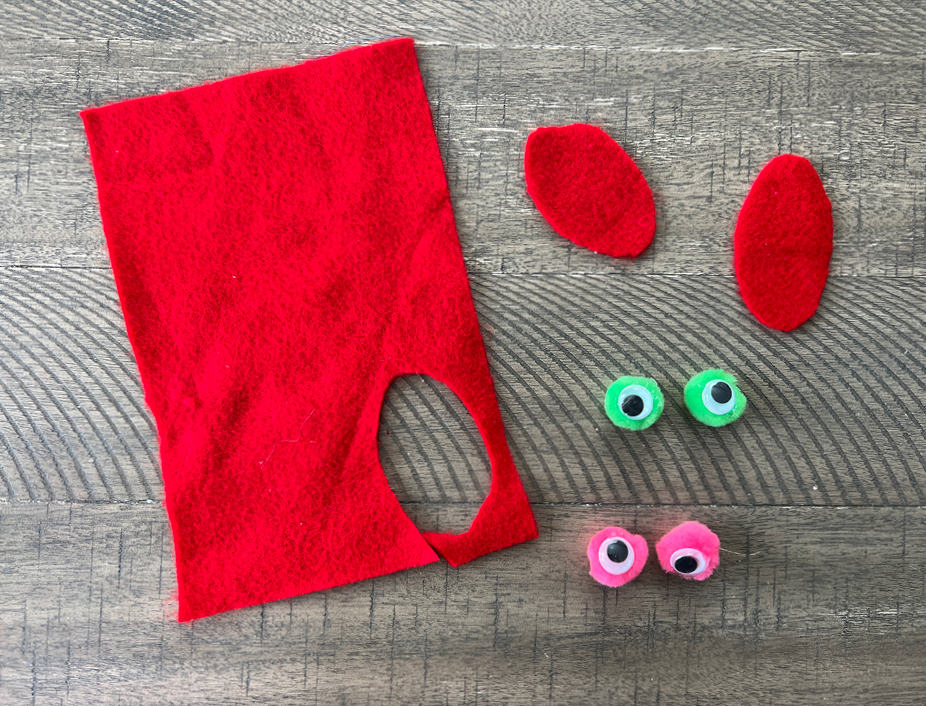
x,y
690,550
616,556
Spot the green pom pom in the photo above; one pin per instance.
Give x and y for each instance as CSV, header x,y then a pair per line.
x,y
714,399
634,403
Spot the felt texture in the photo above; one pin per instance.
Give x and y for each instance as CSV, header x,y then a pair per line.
x,y
694,398
783,243
617,416
605,536
690,535
589,189
283,247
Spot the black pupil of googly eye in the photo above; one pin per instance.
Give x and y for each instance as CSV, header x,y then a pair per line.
x,y
686,564
632,405
721,392
617,551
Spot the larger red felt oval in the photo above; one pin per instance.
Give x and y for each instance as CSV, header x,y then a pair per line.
x,y
783,243
589,189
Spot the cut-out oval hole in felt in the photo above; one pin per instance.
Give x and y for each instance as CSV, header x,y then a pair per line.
x,y
433,454
589,189
783,243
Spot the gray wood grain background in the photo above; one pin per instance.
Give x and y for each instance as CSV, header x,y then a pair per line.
x,y
817,493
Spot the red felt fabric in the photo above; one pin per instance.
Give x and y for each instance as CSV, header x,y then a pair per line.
x,y
284,246
589,189
783,243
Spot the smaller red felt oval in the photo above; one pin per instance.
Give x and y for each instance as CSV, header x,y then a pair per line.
x,y
589,189
783,243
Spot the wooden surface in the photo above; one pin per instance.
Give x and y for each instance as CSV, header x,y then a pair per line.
x,y
809,605
818,493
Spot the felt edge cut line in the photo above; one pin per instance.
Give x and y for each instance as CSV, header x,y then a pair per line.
x,y
347,48
186,614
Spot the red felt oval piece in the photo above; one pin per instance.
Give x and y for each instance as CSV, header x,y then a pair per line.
x,y
783,243
589,189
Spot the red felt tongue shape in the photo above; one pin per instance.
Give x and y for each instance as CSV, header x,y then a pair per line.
x,y
589,189
783,242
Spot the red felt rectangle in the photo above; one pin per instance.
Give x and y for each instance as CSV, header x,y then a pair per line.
x,y
284,246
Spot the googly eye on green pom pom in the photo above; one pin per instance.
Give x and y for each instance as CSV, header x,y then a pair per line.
x,y
634,403
714,399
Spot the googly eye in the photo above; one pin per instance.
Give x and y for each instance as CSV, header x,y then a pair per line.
x,y
713,398
634,403
616,557
719,397
688,562
690,550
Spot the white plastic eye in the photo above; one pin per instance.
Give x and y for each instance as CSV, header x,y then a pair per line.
x,y
615,556
689,562
635,401
719,397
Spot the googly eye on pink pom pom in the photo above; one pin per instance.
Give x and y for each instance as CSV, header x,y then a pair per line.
x,y
616,556
690,550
